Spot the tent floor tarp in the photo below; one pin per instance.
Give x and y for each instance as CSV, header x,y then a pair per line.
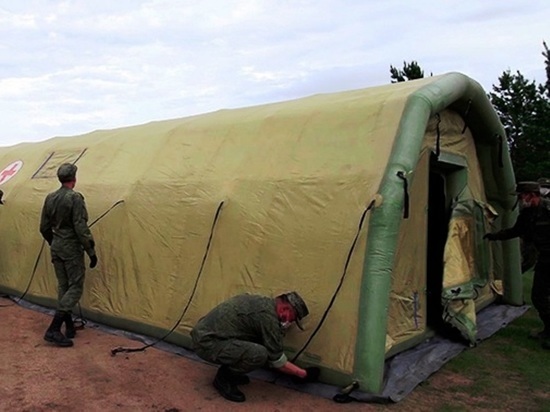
x,y
404,371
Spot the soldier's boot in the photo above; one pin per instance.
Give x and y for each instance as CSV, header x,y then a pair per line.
x,y
225,384
545,334
541,334
237,378
241,379
54,335
70,330
538,334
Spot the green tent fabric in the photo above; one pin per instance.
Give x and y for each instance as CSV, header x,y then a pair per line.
x,y
330,195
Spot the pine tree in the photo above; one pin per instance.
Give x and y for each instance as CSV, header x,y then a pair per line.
x,y
524,110
546,55
410,71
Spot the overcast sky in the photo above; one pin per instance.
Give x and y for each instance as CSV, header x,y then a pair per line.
x,y
70,67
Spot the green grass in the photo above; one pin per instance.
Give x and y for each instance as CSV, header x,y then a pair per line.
x,y
508,371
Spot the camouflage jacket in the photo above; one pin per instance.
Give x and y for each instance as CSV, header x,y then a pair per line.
x,y
250,318
532,225
64,224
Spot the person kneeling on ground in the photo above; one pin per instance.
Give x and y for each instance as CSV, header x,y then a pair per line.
x,y
246,333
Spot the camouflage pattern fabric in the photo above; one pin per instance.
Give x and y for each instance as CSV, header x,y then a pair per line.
x,y
533,225
243,333
70,281
529,256
64,225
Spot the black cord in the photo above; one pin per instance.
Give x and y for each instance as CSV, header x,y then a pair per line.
x,y
107,211
80,321
348,259
119,349
17,300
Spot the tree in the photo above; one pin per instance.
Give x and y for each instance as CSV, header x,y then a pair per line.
x,y
524,110
546,55
410,71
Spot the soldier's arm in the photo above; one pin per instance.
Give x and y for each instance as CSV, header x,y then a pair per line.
x,y
46,224
80,222
272,336
517,230
291,369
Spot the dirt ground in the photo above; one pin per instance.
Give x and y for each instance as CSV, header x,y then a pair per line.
x,y
37,376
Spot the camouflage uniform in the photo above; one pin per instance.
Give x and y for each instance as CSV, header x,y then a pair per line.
x,y
64,225
242,333
529,253
533,224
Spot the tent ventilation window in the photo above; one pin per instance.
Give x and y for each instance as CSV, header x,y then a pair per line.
x,y
48,169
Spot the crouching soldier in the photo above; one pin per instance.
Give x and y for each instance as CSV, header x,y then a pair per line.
x,y
246,333
64,225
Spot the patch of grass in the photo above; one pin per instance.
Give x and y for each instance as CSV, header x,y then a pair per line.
x,y
508,371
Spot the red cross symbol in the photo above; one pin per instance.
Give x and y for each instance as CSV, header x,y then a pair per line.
x,y
10,171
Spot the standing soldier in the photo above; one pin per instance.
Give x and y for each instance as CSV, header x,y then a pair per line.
x,y
533,225
64,225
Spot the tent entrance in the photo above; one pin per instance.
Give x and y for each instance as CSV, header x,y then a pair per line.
x,y
447,179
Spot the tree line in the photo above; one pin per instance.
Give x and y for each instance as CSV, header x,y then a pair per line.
x,y
524,110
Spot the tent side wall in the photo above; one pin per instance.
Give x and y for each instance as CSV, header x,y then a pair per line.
x,y
465,96
295,176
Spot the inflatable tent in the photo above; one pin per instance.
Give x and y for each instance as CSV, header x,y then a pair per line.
x,y
371,203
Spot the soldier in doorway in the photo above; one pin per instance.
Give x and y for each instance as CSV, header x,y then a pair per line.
x,y
533,225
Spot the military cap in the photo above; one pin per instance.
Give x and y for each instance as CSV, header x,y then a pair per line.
x,y
299,306
66,172
544,182
527,187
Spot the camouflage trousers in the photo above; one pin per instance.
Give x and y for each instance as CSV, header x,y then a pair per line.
x,y
240,356
540,294
70,281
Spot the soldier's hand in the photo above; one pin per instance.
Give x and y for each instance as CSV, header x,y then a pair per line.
x,y
93,261
490,236
312,375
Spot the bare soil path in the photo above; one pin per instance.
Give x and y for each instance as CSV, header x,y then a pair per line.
x,y
37,376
